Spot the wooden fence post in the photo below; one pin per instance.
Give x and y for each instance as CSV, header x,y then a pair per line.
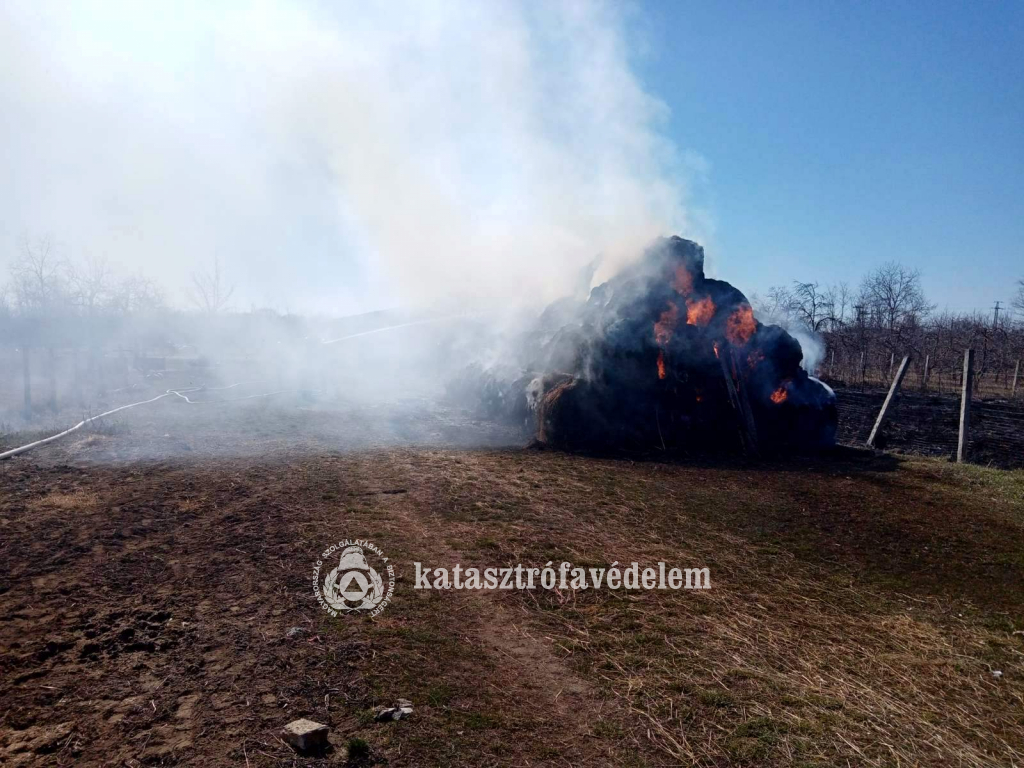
x,y
863,371
26,375
77,372
893,389
52,371
1016,372
965,405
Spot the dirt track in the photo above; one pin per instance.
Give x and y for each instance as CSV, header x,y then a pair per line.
x,y
858,611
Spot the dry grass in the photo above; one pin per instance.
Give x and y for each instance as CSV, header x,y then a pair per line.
x,y
70,501
798,674
798,655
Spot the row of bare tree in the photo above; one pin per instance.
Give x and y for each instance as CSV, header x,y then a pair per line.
x,y
51,299
868,329
42,282
72,328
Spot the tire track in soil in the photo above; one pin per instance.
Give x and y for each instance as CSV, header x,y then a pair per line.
x,y
527,672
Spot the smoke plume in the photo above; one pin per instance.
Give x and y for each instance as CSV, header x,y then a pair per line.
x,y
336,157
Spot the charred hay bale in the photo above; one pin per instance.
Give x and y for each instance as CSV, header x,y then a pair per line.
x,y
560,417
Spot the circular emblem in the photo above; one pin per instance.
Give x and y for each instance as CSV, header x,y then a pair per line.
x,y
353,584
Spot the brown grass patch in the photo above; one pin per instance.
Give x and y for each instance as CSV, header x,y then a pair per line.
x,y
66,501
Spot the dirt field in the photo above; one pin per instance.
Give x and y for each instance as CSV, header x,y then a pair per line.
x,y
150,573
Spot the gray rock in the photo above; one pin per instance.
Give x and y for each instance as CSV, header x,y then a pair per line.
x,y
294,632
402,709
305,735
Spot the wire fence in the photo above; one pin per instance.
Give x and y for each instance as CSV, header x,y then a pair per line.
x,y
865,356
928,424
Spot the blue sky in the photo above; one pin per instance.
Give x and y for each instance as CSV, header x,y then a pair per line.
x,y
839,136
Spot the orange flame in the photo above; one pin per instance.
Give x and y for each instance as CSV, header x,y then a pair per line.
x,y
684,281
740,326
779,395
699,311
666,325
716,348
661,364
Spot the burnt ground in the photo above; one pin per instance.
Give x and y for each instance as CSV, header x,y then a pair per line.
x,y
928,424
150,573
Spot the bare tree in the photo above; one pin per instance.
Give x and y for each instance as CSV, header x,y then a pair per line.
x,y
812,306
39,277
1018,300
776,306
210,291
839,299
893,296
92,284
137,294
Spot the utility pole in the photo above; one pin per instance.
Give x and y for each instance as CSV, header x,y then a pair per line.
x,y
995,319
859,308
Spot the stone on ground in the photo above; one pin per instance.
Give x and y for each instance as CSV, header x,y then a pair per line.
x,y
305,735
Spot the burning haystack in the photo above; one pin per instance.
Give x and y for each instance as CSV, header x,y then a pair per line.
x,y
662,357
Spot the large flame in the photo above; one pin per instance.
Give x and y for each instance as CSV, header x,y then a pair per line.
x,y
666,324
740,325
661,364
699,311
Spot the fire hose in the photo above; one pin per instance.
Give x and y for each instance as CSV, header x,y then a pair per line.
x,y
389,328
182,393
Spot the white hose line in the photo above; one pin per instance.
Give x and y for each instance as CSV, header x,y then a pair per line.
x,y
221,399
178,392
390,328
79,425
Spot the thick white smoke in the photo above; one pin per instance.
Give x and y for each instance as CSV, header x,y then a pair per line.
x,y
813,347
335,156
